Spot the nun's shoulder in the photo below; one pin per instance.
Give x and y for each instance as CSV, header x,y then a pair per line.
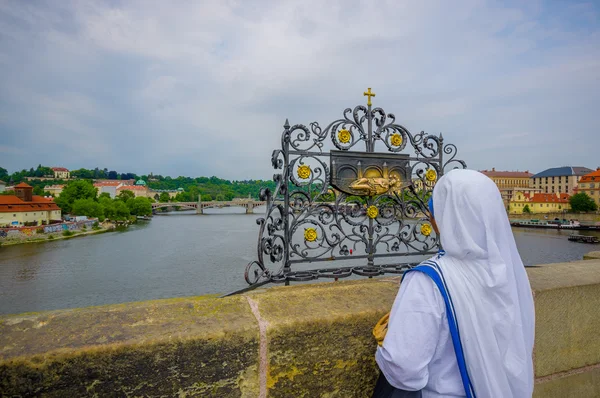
x,y
418,285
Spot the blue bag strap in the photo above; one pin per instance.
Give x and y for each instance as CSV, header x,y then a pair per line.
x,y
431,269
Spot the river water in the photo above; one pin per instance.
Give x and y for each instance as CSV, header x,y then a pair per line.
x,y
173,255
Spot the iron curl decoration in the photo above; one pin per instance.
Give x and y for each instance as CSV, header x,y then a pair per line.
x,y
309,218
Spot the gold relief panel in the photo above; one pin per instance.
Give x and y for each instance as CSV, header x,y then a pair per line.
x,y
369,174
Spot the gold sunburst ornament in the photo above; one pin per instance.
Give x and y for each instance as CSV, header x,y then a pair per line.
x,y
310,234
426,229
396,139
304,171
372,212
431,175
344,136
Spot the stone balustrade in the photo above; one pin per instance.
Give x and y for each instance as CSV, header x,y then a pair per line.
x,y
311,340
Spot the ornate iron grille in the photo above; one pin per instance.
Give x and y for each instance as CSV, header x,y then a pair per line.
x,y
345,204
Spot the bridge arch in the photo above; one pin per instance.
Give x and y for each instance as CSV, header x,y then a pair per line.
x,y
249,205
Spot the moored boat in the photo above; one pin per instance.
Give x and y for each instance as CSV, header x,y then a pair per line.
x,y
554,224
583,238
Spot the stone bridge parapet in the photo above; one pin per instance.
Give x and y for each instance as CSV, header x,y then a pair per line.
x,y
309,340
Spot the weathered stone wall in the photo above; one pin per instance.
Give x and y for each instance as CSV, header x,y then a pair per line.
x,y
592,256
300,341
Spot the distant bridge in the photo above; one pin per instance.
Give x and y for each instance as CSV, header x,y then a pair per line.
x,y
247,204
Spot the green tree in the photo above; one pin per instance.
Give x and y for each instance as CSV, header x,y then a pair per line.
x,y
582,202
526,209
164,197
194,193
74,190
38,190
140,206
207,197
82,173
87,207
128,176
121,210
183,197
220,198
104,195
125,195
4,174
108,205
43,171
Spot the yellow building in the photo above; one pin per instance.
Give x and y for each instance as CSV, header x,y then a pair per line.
x,y
24,207
155,193
54,189
508,182
137,190
590,185
539,202
61,173
559,179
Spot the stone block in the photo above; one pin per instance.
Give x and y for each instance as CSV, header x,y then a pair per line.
x,y
592,256
577,385
319,337
567,302
194,347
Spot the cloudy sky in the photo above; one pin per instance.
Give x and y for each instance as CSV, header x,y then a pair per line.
x,y
202,88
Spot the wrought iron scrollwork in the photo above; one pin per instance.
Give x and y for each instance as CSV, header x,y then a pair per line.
x,y
308,220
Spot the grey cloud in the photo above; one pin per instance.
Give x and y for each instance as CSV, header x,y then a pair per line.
x,y
203,88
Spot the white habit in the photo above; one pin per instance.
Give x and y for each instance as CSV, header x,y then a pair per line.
x,y
491,295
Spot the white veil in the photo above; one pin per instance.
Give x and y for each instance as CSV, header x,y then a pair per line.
x,y
488,284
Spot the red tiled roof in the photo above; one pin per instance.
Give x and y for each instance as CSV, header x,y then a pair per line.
x,y
132,188
549,198
59,169
14,200
593,176
111,183
507,174
546,197
11,203
23,185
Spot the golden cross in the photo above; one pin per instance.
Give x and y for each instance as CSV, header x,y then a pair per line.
x,y
369,94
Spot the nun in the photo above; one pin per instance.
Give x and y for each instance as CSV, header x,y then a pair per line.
x,y
462,324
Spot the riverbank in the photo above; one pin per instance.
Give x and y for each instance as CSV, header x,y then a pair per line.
x,y
68,234
582,217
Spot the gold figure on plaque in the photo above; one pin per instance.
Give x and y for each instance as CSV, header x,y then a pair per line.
x,y
372,186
